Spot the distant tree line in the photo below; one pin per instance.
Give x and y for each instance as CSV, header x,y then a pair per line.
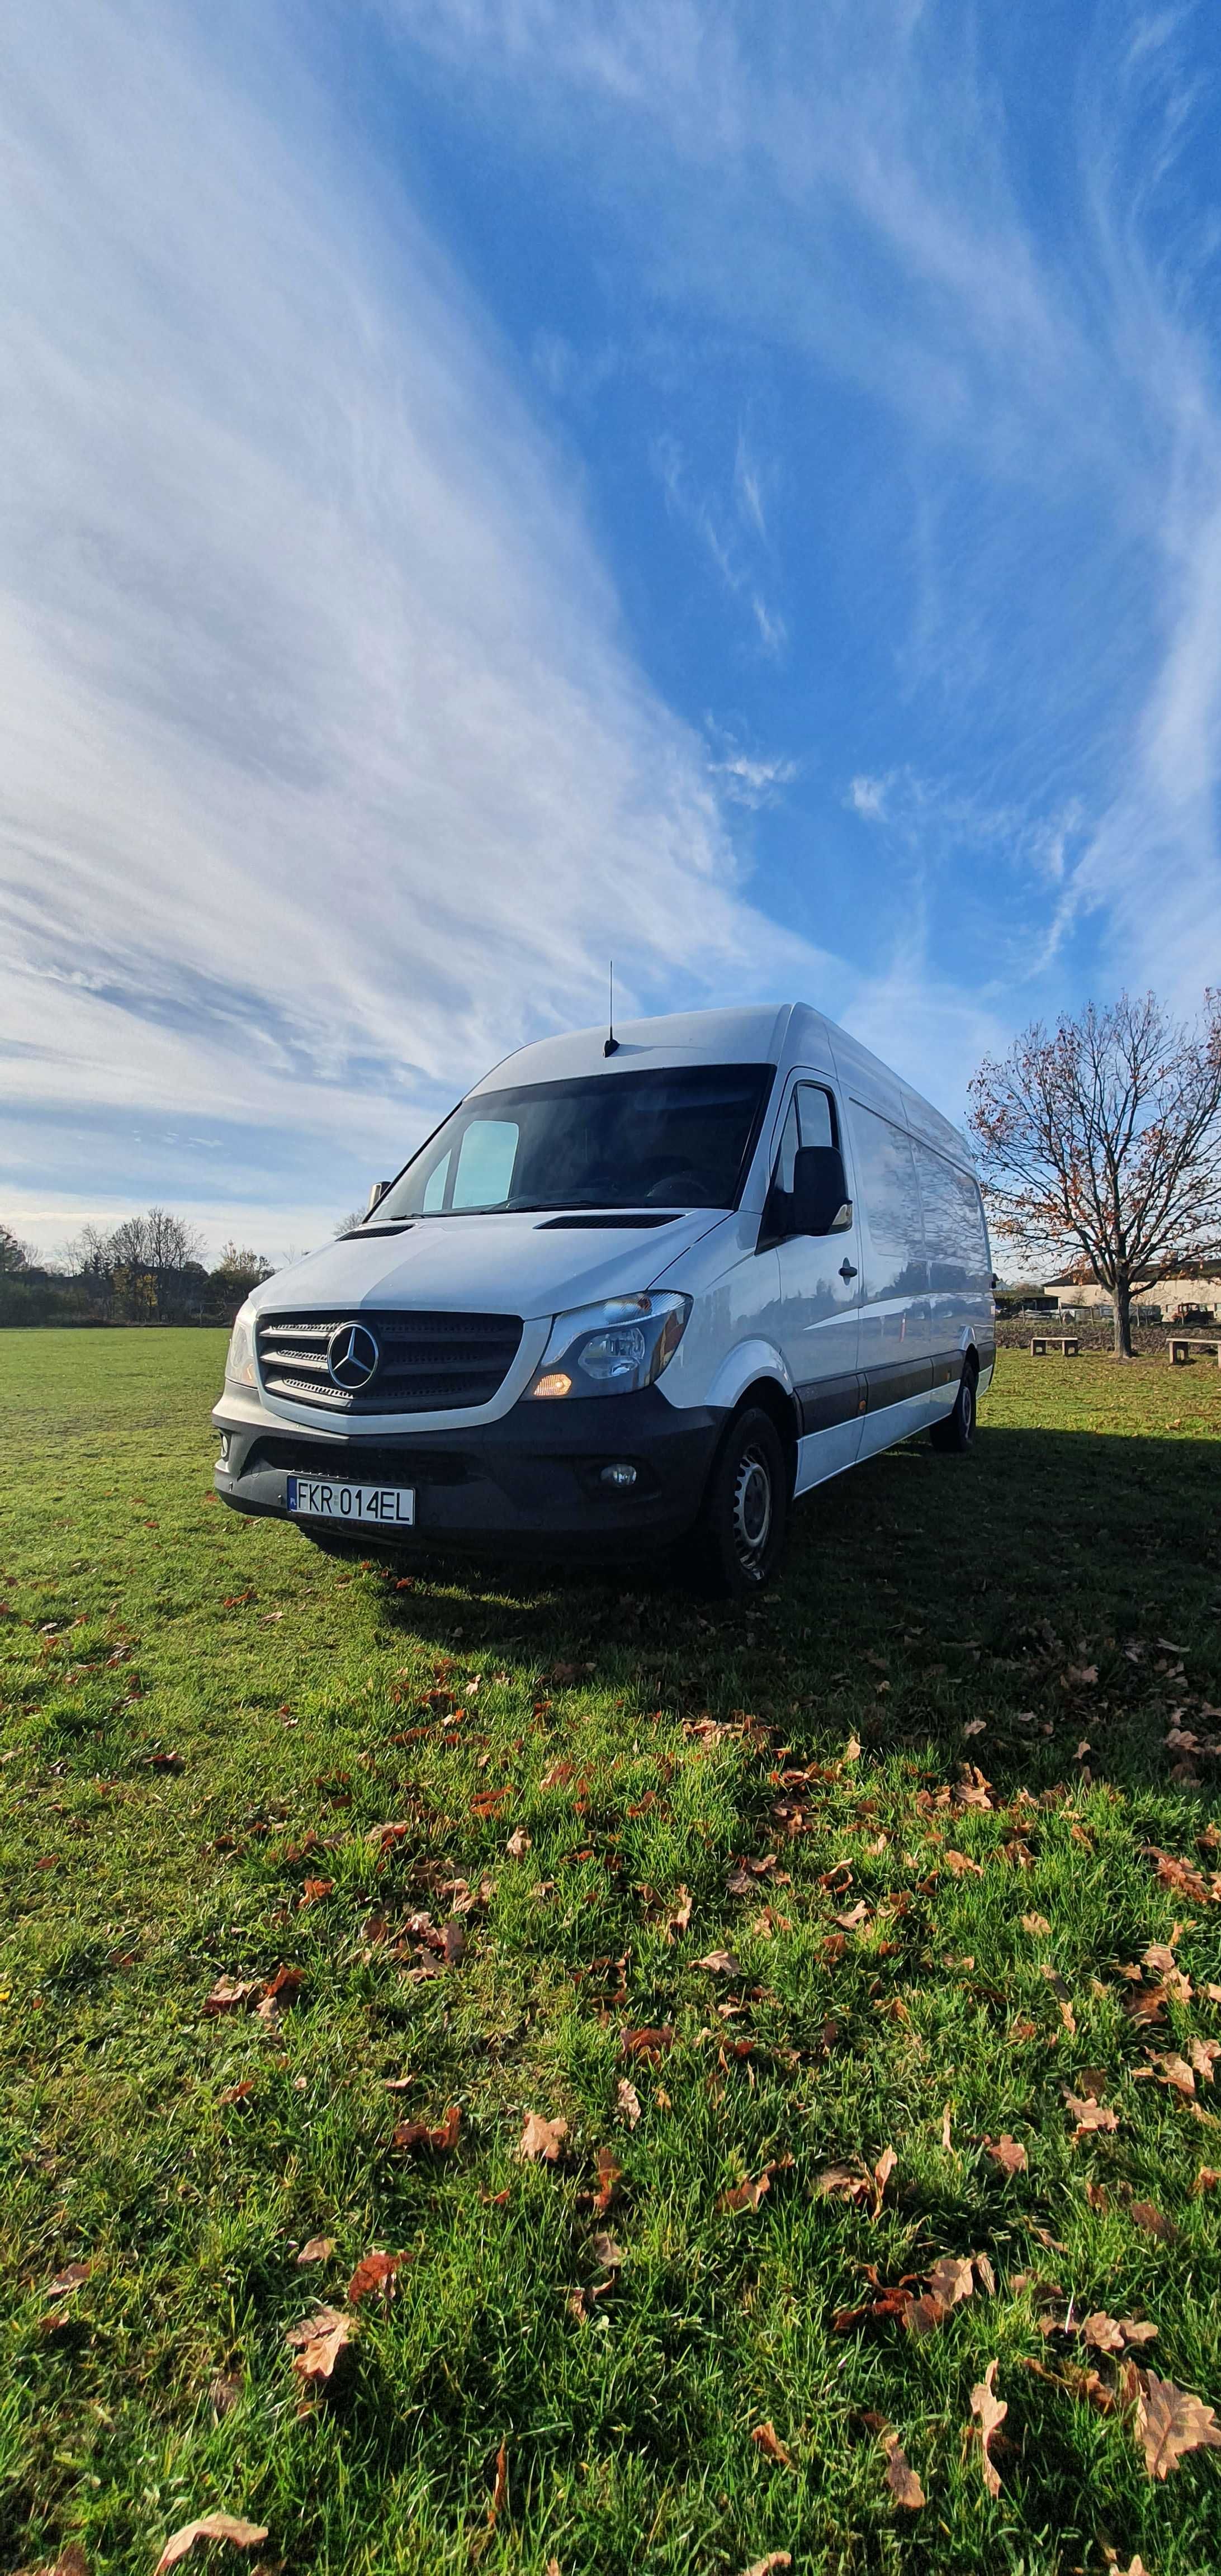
x,y
147,1270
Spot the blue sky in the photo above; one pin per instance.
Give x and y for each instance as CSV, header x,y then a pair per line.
x,y
490,484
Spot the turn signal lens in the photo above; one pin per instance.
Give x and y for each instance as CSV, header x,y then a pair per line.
x,y
555,1384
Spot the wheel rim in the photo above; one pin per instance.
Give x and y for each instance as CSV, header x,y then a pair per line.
x,y
752,1508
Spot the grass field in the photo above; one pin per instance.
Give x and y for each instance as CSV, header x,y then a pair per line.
x,y
468,1812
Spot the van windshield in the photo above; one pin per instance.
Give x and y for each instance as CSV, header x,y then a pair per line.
x,y
680,1138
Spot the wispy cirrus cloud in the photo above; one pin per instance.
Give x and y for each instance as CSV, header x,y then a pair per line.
x,y
326,775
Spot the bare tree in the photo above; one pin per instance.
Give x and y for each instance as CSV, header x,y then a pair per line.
x,y
241,1268
14,1255
1103,1141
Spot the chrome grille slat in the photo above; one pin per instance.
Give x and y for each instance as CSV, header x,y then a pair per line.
x,y
430,1363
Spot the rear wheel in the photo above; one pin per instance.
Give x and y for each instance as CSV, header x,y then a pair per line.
x,y
738,1538
956,1431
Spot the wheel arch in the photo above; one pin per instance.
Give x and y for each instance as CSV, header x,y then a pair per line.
x,y
770,1397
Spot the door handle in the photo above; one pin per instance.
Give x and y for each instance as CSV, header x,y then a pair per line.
x,y
847,1270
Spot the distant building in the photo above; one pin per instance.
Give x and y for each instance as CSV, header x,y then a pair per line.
x,y
1194,1287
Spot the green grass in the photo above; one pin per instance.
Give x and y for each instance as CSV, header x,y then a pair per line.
x,y
301,1700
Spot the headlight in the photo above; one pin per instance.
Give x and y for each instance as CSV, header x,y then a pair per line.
x,y
612,1349
239,1359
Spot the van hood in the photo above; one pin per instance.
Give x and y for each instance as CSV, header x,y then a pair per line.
x,y
524,1265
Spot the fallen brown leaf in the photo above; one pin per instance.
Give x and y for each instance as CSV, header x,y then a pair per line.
x,y
945,2124
374,2276
722,1963
950,2280
235,2093
775,2559
1036,1923
1173,2070
901,2478
767,2440
961,1864
1143,2213
990,2412
1008,2154
648,2043
609,2177
72,2277
678,1920
1169,2423
318,2249
230,1994
627,2101
318,2344
541,2140
417,2133
280,1991
1204,2055
606,2250
518,1844
1088,2114
210,2526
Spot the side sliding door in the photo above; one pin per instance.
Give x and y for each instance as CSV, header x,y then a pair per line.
x,y
895,1358
960,1270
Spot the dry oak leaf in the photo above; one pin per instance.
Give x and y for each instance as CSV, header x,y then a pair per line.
x,y
1169,2422
1007,2153
647,2043
961,1864
280,1991
317,2344
500,2486
610,2175
230,1994
901,2478
417,2133
541,2140
722,1963
1036,1923
70,2562
210,2526
72,2277
1088,2114
951,2279
627,2102
518,1844
747,2195
1204,2054
374,2275
318,2249
990,2412
1172,2070
775,2559
1148,2217
767,2440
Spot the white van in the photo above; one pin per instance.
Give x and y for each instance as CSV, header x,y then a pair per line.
x,y
633,1290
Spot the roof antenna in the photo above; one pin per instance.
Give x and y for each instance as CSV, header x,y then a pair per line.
x,y
612,1043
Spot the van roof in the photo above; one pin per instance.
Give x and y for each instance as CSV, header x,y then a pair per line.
x,y
783,1034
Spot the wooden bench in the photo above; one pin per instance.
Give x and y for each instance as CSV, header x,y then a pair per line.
x,y
1181,1345
1066,1343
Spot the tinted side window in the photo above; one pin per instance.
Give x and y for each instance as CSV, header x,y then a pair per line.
x,y
953,1226
886,1176
486,1157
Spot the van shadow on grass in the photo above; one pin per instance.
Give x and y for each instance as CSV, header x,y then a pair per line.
x,y
1055,1589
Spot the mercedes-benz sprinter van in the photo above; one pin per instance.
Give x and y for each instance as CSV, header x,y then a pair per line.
x,y
634,1290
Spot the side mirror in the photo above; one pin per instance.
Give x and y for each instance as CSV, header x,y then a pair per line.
x,y
819,1201
376,1194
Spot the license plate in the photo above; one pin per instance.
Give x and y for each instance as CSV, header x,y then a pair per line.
x,y
323,1499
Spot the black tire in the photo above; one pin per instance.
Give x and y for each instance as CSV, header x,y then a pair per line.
x,y
956,1431
737,1540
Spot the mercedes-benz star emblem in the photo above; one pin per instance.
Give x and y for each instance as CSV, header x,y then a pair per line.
x,y
352,1356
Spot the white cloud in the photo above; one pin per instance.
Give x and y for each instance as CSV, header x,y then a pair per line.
x,y
867,796
839,183
326,778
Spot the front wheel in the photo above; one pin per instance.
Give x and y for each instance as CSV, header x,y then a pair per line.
x,y
956,1430
738,1538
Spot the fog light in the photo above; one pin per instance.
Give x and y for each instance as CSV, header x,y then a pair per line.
x,y
621,1473
224,1448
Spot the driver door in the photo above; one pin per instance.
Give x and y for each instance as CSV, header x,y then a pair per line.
x,y
820,1301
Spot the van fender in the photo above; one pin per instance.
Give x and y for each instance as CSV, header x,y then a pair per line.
x,y
743,1367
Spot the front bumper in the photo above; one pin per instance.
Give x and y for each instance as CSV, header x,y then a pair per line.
x,y
528,1484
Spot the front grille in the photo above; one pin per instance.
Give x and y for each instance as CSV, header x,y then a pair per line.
x,y
367,1464
428,1363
